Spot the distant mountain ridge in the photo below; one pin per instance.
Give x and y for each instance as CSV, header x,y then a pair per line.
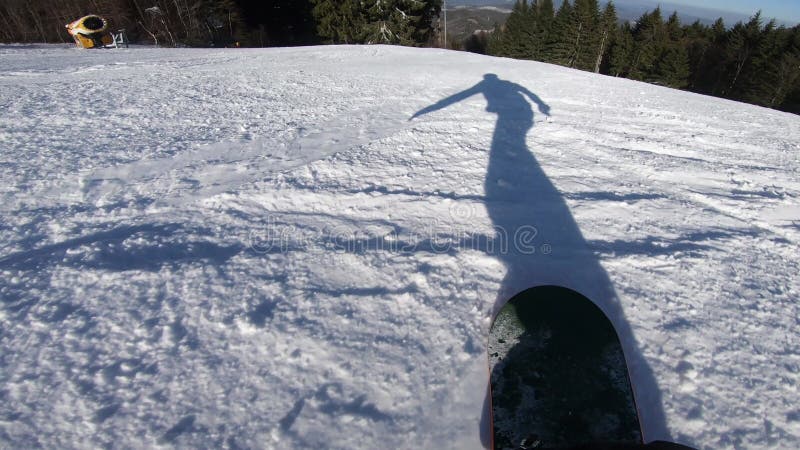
x,y
628,10
463,20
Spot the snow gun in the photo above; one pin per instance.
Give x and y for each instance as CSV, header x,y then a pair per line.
x,y
90,32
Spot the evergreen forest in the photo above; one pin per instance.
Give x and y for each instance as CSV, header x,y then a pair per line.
x,y
755,61
230,23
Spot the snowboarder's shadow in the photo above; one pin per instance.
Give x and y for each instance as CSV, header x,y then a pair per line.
x,y
536,236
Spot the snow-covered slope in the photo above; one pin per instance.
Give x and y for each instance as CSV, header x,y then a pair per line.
x,y
258,248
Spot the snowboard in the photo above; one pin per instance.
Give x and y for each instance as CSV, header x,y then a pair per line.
x,y
558,374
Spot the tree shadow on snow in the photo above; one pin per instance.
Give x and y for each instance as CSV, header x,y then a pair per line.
x,y
538,240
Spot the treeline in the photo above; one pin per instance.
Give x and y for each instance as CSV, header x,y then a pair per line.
x,y
753,62
163,22
230,22
404,22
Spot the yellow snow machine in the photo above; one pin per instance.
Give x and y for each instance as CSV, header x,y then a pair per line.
x,y
90,32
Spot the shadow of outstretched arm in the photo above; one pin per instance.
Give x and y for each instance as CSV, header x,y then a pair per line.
x,y
544,108
445,102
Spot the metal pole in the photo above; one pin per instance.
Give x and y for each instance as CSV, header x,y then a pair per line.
x,y
445,23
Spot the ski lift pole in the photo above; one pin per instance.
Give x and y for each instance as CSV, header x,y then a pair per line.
x,y
445,22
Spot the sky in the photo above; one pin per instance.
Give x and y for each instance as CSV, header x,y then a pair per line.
x,y
788,10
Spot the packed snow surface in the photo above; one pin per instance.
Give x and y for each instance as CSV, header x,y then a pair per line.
x,y
303,248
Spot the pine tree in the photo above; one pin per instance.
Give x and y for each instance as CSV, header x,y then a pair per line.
x,y
406,22
533,23
648,44
672,67
622,52
561,44
545,18
773,69
743,41
586,17
339,21
711,72
517,39
546,15
672,28
787,80
698,43
790,75
384,23
608,28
